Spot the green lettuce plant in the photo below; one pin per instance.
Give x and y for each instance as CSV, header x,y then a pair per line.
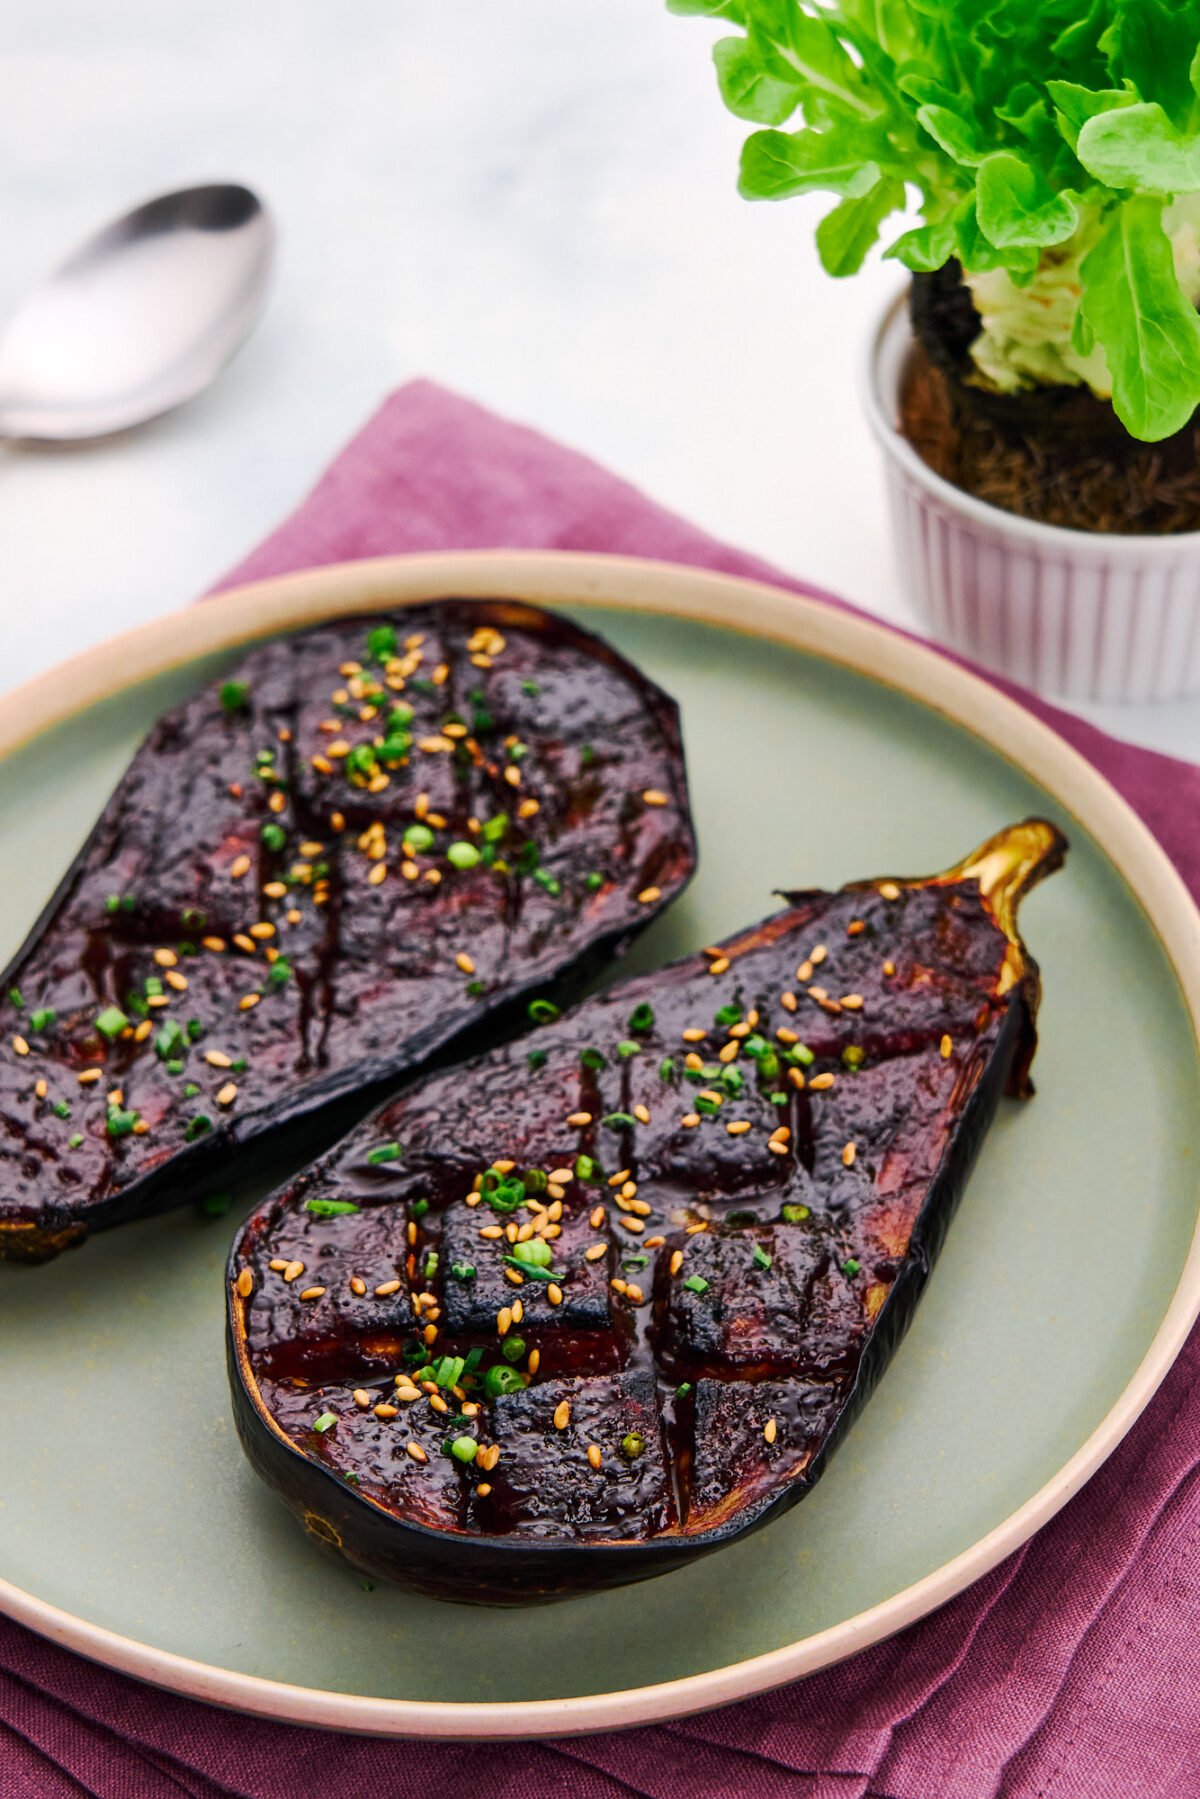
x,y
1052,146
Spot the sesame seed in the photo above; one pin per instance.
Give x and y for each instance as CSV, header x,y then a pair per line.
x,y
464,963
947,1048
41,1089
238,867
517,1279
562,1415
649,895
770,1430
559,1177
215,944
276,802
244,942
693,1228
554,1291
529,808
692,1060
492,1231
245,1283
738,1127
313,1293
275,890
617,1284
143,1031
848,1155
719,966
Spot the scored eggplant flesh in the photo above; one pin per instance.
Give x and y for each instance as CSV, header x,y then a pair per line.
x,y
608,1296
371,839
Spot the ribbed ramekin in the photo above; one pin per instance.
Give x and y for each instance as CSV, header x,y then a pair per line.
x,y
1083,614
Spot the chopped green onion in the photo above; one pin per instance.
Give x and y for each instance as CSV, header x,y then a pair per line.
x,y
794,1214
431,1265
684,1387
536,1251
666,1068
463,1271
696,1283
463,855
594,883
500,1378
801,1054
330,1208
280,972
111,1022
777,1098
43,1018
195,1127
362,763
474,989
75,1141
169,1041
853,1056
494,830
274,836
324,1421
120,1123
418,1208
706,1106
593,1059
618,1120
641,1019
535,1059
513,1348
728,1015
418,838
384,1152
234,695
191,1090
851,1266
547,881
464,1449
381,642
632,1445
61,1109
761,1258
542,1011
587,1168
627,1047
530,689
194,1029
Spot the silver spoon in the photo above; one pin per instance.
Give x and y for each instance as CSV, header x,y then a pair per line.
x,y
140,318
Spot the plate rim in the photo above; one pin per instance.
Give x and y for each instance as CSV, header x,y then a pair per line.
x,y
822,627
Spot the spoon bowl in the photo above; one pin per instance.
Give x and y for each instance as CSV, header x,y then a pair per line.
x,y
140,318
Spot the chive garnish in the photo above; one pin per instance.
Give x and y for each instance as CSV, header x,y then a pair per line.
x,y
851,1266
234,695
463,1271
641,1019
761,1258
324,1421
381,642
618,1120
696,1283
666,1068
330,1208
593,1059
542,1011
384,1152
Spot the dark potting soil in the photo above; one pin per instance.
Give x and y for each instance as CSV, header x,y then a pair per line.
x,y
1057,454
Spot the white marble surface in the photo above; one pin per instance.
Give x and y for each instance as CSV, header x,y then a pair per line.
x,y
531,200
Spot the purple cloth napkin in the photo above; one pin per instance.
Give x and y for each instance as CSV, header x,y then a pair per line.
x,y
1070,1672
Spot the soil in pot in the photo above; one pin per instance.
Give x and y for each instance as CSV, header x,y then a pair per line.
x,y
1057,454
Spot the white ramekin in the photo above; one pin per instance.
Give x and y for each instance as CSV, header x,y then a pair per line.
x,y
1080,613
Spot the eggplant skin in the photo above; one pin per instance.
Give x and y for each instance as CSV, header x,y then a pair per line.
x,y
736,1244
370,844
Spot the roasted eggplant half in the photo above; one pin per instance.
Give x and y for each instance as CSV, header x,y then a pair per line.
x,y
371,841
608,1297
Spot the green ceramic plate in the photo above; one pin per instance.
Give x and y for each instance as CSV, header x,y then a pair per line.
x,y
133,1529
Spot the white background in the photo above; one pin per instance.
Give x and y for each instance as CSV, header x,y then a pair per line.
x,y
530,200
